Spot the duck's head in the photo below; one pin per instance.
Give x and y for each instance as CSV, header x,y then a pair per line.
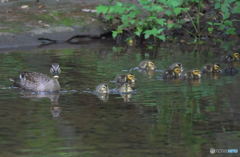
x,y
131,78
196,73
216,68
55,70
236,55
150,65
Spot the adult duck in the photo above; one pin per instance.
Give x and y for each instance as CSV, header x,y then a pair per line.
x,y
38,82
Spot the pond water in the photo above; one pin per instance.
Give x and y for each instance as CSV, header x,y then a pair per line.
x,y
161,118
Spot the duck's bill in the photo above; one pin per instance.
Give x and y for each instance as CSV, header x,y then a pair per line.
x,y
56,76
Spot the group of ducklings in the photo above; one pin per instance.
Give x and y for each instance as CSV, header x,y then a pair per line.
x,y
126,82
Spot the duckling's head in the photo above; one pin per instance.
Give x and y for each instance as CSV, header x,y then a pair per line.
x,y
102,88
176,65
216,68
131,78
150,65
55,70
196,73
177,71
236,55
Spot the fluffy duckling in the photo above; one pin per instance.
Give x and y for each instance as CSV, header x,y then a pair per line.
x,y
212,68
125,88
194,74
147,65
176,65
125,78
172,73
232,57
102,88
230,70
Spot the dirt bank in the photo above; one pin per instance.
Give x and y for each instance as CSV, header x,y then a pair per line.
x,y
23,22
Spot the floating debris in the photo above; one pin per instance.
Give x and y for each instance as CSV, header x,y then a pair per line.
x,y
89,10
24,7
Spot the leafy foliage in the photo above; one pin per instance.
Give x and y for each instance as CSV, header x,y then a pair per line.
x,y
157,18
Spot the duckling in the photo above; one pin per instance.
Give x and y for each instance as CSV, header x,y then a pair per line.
x,y
212,68
194,74
39,82
176,65
102,88
147,65
172,74
232,57
125,78
230,70
125,88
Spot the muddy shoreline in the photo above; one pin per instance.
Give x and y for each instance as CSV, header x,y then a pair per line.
x,y
23,23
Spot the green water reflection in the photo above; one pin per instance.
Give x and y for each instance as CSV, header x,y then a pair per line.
x,y
163,118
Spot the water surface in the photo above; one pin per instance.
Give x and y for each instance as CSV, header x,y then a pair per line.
x,y
162,118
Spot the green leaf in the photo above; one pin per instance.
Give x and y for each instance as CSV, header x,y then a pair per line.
x,y
161,37
231,31
139,31
236,8
102,9
161,21
210,29
114,34
177,11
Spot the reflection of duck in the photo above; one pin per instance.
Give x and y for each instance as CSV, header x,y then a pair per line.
x,y
102,88
125,78
172,73
176,65
31,95
39,82
103,96
194,74
232,57
54,97
125,88
212,68
147,65
126,97
55,111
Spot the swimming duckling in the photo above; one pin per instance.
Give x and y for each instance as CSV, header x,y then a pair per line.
x,y
125,88
230,70
39,82
172,74
194,74
176,65
102,88
212,68
232,57
125,78
147,65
